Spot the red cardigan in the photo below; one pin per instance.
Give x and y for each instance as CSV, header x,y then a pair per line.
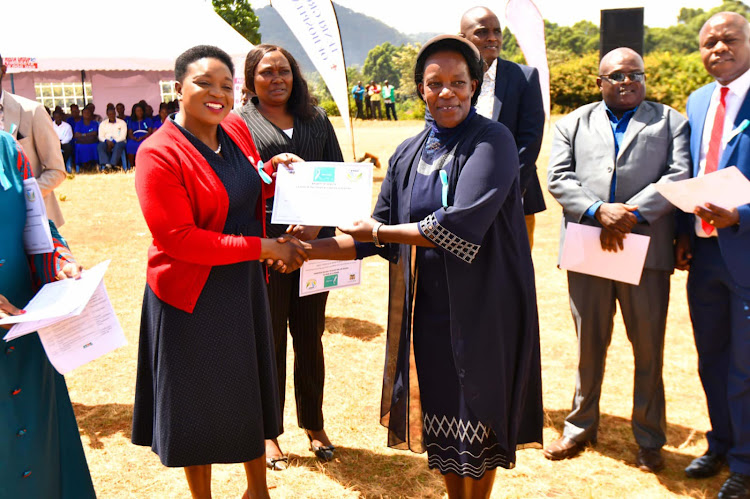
x,y
185,206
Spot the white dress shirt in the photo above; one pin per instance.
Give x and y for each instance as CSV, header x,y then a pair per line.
x,y
486,102
117,131
64,132
734,99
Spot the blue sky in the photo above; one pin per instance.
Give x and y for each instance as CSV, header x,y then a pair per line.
x,y
413,16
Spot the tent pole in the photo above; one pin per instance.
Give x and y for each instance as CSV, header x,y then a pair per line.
x,y
346,77
12,84
83,86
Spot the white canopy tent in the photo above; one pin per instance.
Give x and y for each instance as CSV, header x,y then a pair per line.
x,y
122,48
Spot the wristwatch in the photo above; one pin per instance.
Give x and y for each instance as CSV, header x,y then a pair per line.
x,y
375,229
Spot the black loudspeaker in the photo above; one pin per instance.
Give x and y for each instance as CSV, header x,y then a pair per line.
x,y
621,28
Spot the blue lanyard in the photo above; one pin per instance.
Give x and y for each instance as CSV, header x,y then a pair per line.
x,y
444,181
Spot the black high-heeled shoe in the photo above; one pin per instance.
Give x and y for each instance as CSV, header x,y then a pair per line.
x,y
323,452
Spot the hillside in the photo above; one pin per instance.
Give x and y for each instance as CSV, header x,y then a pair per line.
x,y
360,34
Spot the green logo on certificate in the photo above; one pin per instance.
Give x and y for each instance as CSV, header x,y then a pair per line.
x,y
325,174
330,281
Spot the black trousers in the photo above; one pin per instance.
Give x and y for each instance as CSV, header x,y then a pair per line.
x,y
67,152
360,110
390,108
307,319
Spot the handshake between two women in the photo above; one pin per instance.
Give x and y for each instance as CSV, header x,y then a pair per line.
x,y
288,252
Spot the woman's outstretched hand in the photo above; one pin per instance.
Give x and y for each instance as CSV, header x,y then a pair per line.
x,y
285,254
361,230
285,159
7,309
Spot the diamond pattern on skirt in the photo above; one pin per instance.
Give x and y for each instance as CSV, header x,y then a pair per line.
x,y
457,429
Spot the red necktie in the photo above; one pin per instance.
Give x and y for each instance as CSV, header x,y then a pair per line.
x,y
714,146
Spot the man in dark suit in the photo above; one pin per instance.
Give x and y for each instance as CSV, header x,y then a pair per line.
x,y
604,160
511,95
715,245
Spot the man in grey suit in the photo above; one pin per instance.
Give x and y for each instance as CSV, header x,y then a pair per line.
x,y
605,157
30,124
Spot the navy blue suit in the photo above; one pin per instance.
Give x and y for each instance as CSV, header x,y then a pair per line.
x,y
719,299
522,111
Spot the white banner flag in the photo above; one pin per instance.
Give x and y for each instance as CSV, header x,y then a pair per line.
x,y
314,24
527,25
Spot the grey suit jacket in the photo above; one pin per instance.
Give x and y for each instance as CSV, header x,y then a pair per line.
x,y
655,149
36,135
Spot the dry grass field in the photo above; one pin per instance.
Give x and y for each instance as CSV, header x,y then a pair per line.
x,y
104,221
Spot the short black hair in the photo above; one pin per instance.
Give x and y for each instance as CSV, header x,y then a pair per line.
x,y
200,52
476,68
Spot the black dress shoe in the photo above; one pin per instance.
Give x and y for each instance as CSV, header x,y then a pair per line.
x,y
737,486
709,464
649,459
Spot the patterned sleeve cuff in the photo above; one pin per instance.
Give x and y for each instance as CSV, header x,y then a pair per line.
x,y
440,236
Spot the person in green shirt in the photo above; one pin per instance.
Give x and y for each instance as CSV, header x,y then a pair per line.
x,y
389,97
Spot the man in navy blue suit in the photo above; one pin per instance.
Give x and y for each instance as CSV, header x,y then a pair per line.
x,y
511,95
715,245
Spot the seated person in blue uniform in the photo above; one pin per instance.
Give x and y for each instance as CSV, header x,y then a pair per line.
x,y
138,131
87,139
158,120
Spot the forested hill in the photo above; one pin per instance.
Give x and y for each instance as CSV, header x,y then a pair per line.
x,y
360,34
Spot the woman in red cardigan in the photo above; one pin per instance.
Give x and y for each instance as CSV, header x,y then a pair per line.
x,y
206,389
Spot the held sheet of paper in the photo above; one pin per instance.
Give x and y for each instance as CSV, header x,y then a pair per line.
x,y
74,318
582,252
323,193
317,276
37,238
727,188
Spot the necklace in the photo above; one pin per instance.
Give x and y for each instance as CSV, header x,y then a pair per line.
x,y
217,151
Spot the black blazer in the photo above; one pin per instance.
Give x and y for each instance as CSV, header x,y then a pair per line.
x,y
522,111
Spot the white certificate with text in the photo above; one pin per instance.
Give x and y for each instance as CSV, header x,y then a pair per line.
x,y
74,318
317,276
323,193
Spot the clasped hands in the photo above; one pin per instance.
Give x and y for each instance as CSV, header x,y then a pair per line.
x,y
618,220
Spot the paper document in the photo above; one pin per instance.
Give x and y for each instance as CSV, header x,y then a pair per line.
x,y
74,318
37,237
317,276
727,188
582,252
323,193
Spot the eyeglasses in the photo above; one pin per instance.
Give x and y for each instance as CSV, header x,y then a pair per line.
x,y
619,77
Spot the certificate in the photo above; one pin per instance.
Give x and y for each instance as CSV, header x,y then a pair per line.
x,y
727,188
317,276
582,252
37,237
74,318
323,193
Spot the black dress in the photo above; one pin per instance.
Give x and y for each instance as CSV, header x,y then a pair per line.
x,y
206,390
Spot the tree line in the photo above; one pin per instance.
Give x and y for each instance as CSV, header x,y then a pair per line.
x,y
673,65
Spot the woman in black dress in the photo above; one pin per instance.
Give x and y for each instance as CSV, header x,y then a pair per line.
x,y
206,389
281,117
462,374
